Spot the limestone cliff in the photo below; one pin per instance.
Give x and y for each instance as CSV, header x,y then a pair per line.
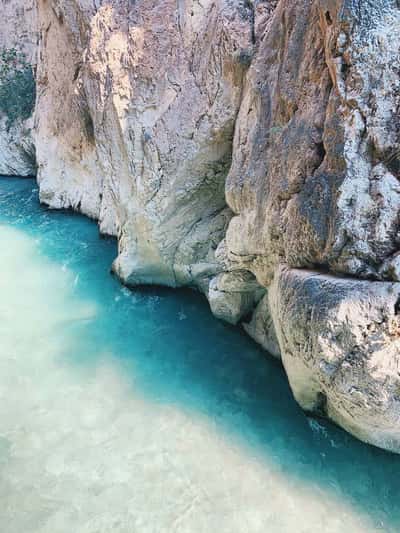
x,y
18,30
250,149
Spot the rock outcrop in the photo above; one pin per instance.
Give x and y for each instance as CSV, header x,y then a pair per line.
x,y
250,149
136,129
340,343
18,30
314,181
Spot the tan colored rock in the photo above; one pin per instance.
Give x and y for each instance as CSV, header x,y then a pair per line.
x,y
340,343
18,30
315,174
136,128
220,140
17,149
261,328
18,27
278,145
69,174
233,295
314,183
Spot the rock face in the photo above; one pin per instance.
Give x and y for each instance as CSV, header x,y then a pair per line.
x,y
18,30
314,184
340,342
17,149
136,129
239,147
315,154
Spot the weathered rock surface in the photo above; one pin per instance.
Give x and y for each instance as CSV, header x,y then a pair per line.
x,y
314,183
227,144
340,343
234,295
136,128
314,180
17,149
262,329
18,30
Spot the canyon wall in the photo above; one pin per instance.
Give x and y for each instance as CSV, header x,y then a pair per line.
x,y
249,149
18,31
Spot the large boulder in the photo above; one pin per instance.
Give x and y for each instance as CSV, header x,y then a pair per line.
x,y
340,346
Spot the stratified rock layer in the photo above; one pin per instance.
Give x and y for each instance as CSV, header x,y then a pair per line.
x,y
228,144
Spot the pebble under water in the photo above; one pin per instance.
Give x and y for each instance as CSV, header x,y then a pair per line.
x,y
139,412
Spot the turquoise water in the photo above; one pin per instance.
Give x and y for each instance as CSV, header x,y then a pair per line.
x,y
139,412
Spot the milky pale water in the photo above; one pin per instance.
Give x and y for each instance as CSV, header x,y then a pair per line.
x,y
139,412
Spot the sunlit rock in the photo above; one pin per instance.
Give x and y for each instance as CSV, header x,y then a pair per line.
x,y
340,344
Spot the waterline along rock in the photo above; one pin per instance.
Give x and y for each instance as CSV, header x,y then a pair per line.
x,y
248,149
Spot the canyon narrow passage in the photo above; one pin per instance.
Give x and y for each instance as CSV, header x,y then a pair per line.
x,y
140,412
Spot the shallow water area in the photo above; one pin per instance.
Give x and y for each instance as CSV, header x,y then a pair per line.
x,y
137,411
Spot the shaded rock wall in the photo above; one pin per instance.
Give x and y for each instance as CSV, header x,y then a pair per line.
x,y
18,30
227,145
315,155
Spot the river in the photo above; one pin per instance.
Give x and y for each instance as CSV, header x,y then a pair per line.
x,y
137,411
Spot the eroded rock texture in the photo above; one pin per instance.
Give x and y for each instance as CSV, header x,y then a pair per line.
x,y
314,180
18,30
141,120
340,342
239,147
314,184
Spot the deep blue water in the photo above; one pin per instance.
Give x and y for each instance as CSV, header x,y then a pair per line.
x,y
220,391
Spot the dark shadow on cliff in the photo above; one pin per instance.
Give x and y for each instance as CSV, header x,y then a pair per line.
x,y
178,353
